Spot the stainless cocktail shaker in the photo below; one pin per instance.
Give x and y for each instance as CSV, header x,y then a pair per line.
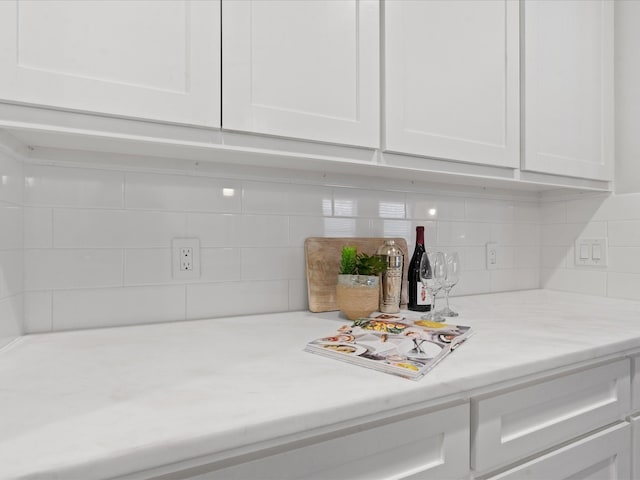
x,y
391,286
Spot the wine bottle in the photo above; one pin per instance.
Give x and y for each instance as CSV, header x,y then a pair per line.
x,y
419,300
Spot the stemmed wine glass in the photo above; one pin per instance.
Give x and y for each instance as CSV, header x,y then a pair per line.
x,y
433,272
452,261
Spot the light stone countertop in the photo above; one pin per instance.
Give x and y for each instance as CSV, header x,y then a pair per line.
x,y
110,402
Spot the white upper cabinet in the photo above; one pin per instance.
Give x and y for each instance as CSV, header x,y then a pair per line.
x,y
452,80
305,69
568,88
151,60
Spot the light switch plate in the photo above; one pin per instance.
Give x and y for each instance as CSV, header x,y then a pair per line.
x,y
591,252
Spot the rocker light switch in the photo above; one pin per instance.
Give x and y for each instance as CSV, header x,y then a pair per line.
x,y
591,252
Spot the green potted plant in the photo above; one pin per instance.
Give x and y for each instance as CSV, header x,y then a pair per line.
x,y
358,288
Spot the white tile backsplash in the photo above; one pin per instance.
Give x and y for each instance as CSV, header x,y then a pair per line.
x,y
110,307
615,217
98,240
73,187
58,269
183,193
80,228
289,199
11,246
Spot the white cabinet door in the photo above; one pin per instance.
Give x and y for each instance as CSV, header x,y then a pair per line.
x,y
452,80
568,87
302,69
602,456
155,60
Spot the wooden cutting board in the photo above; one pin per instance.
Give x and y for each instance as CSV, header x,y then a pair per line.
x,y
323,255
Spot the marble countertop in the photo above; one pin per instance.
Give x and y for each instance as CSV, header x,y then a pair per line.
x,y
109,402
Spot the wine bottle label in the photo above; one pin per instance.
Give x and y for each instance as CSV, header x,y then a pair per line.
x,y
422,295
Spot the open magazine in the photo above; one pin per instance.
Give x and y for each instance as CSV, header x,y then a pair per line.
x,y
392,344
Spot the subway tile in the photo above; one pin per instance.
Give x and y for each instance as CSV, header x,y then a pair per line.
x,y
472,282
346,227
527,234
487,210
37,312
624,259
584,210
350,202
590,282
393,228
560,234
554,257
11,221
472,258
110,307
463,233
433,207
526,212
623,285
298,295
619,207
55,269
11,272
55,186
154,266
262,231
286,199
38,227
115,228
624,233
515,279
505,257
302,228
11,179
11,313
553,212
219,264
150,191
272,263
214,230
236,298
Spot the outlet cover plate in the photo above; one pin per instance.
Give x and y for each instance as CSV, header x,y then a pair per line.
x,y
176,245
492,256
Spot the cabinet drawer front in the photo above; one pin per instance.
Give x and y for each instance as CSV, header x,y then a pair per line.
x,y
525,421
432,445
604,455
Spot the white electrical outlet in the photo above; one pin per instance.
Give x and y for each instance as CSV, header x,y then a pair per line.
x,y
185,253
492,256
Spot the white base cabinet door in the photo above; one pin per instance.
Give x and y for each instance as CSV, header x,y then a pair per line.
x,y
302,69
452,80
151,60
602,456
568,88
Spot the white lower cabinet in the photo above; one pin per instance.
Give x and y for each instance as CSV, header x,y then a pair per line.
x,y
635,446
433,445
515,424
603,455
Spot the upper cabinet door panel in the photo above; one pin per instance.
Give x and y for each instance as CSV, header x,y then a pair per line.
x,y
568,88
452,80
152,60
302,69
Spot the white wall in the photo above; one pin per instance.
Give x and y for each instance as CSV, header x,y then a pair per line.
x,y
97,239
11,259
